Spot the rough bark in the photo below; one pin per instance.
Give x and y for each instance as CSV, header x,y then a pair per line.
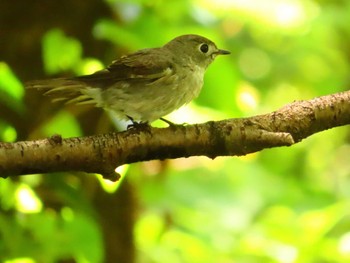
x,y
103,153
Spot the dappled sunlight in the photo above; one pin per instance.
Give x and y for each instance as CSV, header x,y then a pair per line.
x,y
344,245
284,14
27,200
90,66
8,134
21,260
254,63
289,13
281,94
193,113
248,97
109,186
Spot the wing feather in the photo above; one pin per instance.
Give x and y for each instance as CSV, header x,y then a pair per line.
x,y
144,66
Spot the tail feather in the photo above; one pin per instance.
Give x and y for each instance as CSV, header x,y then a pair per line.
x,y
61,89
81,100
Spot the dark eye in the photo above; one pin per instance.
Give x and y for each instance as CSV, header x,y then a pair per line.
x,y
204,48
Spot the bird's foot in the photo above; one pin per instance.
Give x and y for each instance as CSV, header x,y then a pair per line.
x,y
137,125
171,124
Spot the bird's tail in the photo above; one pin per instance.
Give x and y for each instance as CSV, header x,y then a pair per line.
x,y
61,89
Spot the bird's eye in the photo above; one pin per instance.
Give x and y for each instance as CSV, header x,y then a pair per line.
x,y
204,48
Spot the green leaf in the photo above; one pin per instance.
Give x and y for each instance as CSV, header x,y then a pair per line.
x,y
10,83
64,124
60,53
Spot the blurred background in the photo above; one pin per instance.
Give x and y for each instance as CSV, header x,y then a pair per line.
x,y
279,205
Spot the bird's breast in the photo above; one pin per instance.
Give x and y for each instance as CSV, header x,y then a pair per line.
x,y
192,83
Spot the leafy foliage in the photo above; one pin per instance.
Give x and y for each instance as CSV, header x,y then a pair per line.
x,y
280,205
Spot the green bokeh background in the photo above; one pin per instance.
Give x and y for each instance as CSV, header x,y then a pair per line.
x,y
280,205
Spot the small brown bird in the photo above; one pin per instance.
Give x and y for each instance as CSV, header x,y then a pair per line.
x,y
142,86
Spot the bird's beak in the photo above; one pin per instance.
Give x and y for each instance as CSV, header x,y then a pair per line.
x,y
222,52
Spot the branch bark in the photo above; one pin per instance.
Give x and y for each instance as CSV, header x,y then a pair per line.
x,y
103,153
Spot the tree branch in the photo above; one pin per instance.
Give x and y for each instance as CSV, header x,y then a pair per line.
x,y
103,153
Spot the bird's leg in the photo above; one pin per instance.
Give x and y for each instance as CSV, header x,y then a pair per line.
x,y
137,125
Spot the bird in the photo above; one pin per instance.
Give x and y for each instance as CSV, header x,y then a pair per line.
x,y
143,86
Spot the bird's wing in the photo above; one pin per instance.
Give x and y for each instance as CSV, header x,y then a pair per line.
x,y
143,66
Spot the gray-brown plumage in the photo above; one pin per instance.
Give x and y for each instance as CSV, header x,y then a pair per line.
x,y
145,85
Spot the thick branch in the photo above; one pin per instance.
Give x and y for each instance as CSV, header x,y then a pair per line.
x,y
103,153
